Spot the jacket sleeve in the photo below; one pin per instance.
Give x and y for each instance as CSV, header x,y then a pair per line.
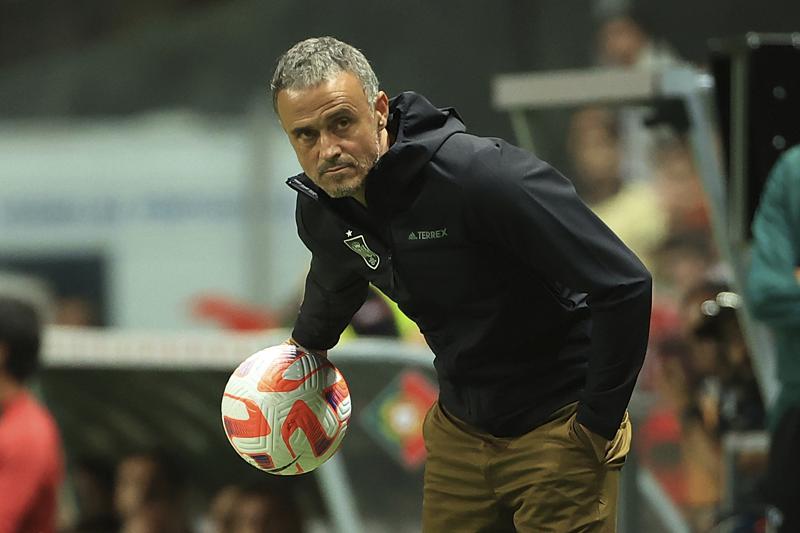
x,y
773,289
535,214
332,296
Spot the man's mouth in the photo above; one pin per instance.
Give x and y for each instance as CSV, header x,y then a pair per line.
x,y
337,168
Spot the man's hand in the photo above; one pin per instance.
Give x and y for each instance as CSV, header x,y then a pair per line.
x,y
321,353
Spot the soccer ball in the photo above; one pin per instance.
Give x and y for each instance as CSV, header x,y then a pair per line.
x,y
285,411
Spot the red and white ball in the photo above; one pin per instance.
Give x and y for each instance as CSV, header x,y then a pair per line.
x,y
285,411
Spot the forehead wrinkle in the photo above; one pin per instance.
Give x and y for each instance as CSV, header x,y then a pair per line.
x,y
323,113
310,102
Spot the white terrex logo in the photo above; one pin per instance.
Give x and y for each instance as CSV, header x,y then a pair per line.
x,y
426,235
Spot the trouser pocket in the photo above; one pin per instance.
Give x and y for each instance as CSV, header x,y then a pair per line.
x,y
610,453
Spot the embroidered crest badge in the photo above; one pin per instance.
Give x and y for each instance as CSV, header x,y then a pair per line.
x,y
359,246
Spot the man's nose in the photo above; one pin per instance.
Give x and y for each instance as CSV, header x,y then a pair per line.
x,y
329,146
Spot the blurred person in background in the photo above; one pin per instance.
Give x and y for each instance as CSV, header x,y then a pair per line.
x,y
725,394
624,41
154,517
93,481
537,313
684,261
31,464
147,483
260,509
735,400
681,453
221,509
773,293
679,187
631,210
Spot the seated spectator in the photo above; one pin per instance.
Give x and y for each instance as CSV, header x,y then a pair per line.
x,y
739,404
624,41
147,480
683,261
154,517
265,510
679,188
223,505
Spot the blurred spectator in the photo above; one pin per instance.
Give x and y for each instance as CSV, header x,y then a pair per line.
x,y
623,41
724,396
679,188
223,505
146,484
773,291
631,210
31,465
684,261
93,480
154,517
265,510
737,397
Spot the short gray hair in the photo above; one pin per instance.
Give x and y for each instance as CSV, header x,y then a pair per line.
x,y
313,61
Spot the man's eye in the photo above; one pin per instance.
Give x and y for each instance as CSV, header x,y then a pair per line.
x,y
342,123
306,135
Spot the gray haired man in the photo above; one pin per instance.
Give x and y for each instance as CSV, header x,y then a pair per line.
x,y
537,313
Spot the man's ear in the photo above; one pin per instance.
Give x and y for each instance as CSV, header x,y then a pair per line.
x,y
382,109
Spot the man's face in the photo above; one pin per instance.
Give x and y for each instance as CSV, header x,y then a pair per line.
x,y
335,132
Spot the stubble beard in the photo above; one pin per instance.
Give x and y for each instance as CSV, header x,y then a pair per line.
x,y
351,185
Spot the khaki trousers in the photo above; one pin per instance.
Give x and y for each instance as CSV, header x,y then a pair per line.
x,y
558,478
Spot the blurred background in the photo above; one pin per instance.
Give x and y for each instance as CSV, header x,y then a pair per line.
x,y
142,203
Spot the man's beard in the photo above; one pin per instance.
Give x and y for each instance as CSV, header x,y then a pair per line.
x,y
353,184
343,190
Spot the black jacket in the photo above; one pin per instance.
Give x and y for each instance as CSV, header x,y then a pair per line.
x,y
527,299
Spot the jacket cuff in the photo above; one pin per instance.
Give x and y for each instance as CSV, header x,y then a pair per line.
x,y
309,341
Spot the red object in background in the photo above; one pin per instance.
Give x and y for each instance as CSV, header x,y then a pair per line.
x,y
231,314
665,319
665,323
659,445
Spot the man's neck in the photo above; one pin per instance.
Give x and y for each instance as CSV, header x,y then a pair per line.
x,y
385,141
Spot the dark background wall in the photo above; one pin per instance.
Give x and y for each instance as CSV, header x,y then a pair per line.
x,y
112,57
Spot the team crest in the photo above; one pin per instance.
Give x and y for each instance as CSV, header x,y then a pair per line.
x,y
359,246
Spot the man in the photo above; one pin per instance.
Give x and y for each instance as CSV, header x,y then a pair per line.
x,y
537,314
30,449
773,295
